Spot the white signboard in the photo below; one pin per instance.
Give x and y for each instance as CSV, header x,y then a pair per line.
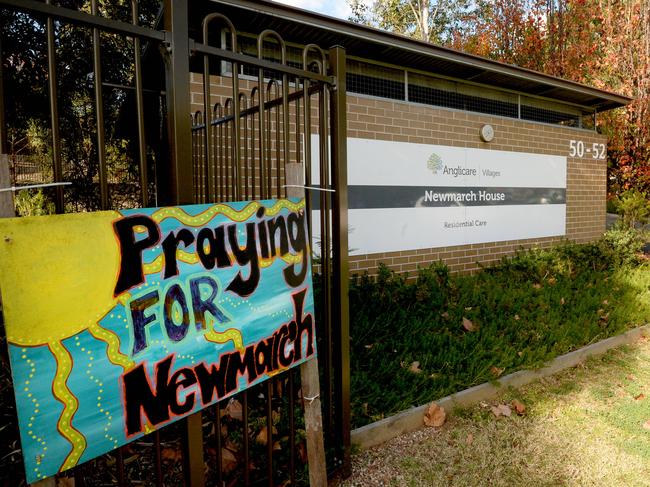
x,y
405,196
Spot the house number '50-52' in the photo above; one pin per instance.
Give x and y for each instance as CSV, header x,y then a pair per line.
x,y
577,149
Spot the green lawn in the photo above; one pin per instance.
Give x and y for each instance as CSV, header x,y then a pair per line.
x,y
584,426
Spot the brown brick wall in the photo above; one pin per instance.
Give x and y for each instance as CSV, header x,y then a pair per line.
x,y
372,118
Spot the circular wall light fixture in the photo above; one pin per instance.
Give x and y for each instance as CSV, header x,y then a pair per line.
x,y
487,133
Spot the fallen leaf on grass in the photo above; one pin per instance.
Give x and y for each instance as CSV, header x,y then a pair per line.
x,y
468,325
551,280
262,437
445,315
537,285
470,439
171,454
562,301
468,308
234,410
605,302
435,416
640,397
516,317
518,406
275,418
496,371
501,410
228,460
646,425
415,367
369,346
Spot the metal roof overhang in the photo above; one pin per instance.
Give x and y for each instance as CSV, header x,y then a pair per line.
x,y
303,27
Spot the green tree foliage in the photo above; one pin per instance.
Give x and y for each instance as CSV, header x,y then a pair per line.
x,y
24,45
427,20
604,43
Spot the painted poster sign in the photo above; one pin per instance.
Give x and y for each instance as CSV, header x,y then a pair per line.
x,y
405,196
121,322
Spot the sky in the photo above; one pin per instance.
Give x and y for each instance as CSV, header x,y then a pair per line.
x,y
334,8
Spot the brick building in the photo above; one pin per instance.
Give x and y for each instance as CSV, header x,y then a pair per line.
x,y
409,102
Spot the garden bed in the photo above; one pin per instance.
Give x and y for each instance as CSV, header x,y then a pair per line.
x,y
414,341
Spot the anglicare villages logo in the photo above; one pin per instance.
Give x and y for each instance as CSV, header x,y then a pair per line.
x,y
437,167
434,163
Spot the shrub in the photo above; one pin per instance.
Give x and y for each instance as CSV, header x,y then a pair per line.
x,y
634,207
612,204
622,246
413,341
33,203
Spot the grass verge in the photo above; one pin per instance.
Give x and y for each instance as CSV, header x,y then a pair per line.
x,y
419,340
584,426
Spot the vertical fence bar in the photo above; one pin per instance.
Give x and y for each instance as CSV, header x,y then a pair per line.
x,y
340,309
269,430
208,124
261,124
196,154
243,98
298,126
142,142
54,115
285,129
247,458
217,443
280,132
3,125
292,428
255,186
158,458
229,127
269,153
119,461
219,164
99,113
177,179
326,257
206,110
236,149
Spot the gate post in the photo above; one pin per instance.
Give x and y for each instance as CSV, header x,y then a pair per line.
x,y
175,184
340,309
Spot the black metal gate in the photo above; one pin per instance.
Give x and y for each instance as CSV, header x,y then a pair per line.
x,y
255,110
